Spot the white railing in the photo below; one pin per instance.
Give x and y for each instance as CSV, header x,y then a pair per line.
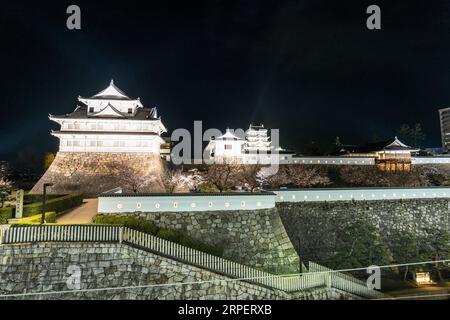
x,y
220,265
92,233
55,233
345,282
3,229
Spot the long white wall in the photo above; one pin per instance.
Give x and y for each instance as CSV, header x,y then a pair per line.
x,y
358,160
361,194
328,160
430,160
116,203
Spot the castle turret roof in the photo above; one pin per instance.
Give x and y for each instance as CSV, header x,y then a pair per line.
x,y
111,92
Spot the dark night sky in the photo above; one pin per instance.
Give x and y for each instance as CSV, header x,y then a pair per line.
x,y
310,68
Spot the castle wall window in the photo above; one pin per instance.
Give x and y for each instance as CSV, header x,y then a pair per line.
x,y
228,147
91,109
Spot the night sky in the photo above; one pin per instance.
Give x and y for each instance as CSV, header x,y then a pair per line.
x,y
310,68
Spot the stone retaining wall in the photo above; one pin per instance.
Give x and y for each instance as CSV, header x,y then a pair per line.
x,y
30,268
315,223
92,173
256,238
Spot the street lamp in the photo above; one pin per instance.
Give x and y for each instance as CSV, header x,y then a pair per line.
x,y
300,265
44,193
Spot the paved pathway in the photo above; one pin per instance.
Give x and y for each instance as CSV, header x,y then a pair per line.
x,y
82,214
432,292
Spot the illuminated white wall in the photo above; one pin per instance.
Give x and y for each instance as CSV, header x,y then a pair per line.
x,y
329,160
116,203
430,160
359,194
109,143
119,125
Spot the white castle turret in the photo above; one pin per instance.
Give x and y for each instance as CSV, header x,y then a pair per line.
x,y
109,138
110,121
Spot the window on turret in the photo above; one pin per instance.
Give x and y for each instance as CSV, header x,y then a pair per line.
x,y
91,109
228,147
130,110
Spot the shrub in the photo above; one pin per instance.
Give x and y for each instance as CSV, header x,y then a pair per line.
x,y
50,217
57,204
163,233
142,225
169,234
132,223
107,219
6,213
200,246
31,198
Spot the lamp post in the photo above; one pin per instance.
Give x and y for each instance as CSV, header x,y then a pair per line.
x,y
300,265
44,193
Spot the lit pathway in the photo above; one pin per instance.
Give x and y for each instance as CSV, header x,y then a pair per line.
x,y
82,214
432,292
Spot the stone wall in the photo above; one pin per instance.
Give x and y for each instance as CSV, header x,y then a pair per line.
x,y
92,173
30,268
256,238
315,223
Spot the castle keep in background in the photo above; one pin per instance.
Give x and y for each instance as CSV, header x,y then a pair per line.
x,y
108,138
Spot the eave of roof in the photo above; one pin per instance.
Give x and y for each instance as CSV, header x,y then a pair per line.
x,y
187,194
72,132
81,113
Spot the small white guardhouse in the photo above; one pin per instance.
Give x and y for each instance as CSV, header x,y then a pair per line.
x,y
226,148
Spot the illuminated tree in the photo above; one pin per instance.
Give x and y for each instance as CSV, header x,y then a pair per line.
x,y
249,176
48,159
130,178
222,176
172,180
299,176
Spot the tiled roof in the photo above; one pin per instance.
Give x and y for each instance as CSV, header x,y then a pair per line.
x,y
81,113
390,145
188,194
105,132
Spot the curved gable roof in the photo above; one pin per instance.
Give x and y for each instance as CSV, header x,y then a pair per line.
x,y
112,92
